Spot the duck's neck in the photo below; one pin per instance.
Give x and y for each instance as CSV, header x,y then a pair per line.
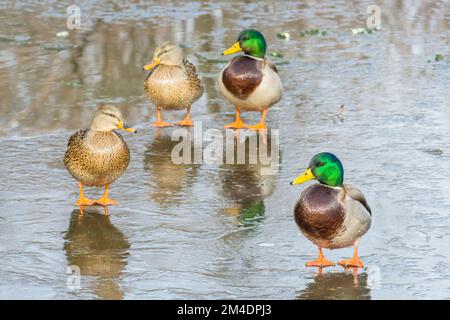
x,y
339,187
256,58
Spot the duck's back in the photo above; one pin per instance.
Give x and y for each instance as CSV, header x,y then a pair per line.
x,y
174,87
96,158
319,214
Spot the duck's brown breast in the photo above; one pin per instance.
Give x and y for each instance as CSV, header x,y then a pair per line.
x,y
242,76
319,213
96,158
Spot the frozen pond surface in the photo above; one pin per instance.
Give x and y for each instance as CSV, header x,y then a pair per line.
x,y
225,231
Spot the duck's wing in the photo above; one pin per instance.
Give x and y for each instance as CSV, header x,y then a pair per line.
x,y
193,78
74,145
148,76
272,65
357,195
77,138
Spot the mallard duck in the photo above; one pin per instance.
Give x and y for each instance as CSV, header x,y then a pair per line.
x,y
98,156
331,214
250,81
172,83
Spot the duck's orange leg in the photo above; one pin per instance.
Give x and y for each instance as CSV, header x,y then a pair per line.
x,y
238,123
321,262
82,200
187,122
261,125
105,200
160,123
353,262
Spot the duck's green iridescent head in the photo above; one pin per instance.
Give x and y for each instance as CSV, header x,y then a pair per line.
x,y
326,168
250,41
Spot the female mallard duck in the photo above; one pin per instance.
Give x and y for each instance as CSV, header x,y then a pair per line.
x,y
250,81
172,83
98,156
330,214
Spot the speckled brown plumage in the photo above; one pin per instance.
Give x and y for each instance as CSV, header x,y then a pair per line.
x,y
174,87
96,158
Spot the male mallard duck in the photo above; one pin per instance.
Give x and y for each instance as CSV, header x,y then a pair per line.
x,y
330,214
98,156
172,83
250,81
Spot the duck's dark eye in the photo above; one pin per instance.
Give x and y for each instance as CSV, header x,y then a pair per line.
x,y
320,164
111,115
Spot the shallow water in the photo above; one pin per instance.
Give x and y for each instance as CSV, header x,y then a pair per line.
x,y
225,231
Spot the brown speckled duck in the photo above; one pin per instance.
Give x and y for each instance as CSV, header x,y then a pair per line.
x,y
250,81
172,84
98,156
331,214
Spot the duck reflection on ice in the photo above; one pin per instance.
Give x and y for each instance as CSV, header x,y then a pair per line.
x,y
338,286
245,186
168,180
99,249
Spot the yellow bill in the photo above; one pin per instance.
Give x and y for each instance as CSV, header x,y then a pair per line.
x,y
305,176
235,48
126,128
152,65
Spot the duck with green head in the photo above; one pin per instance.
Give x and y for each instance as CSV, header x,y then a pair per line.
x,y
331,214
250,81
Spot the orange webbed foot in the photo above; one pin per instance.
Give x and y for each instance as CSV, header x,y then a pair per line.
x,y
185,123
236,125
106,202
161,124
320,263
259,126
353,262
82,201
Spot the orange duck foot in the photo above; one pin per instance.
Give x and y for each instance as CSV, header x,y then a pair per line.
x,y
106,202
320,263
259,126
353,262
185,123
235,125
238,123
161,124
82,201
